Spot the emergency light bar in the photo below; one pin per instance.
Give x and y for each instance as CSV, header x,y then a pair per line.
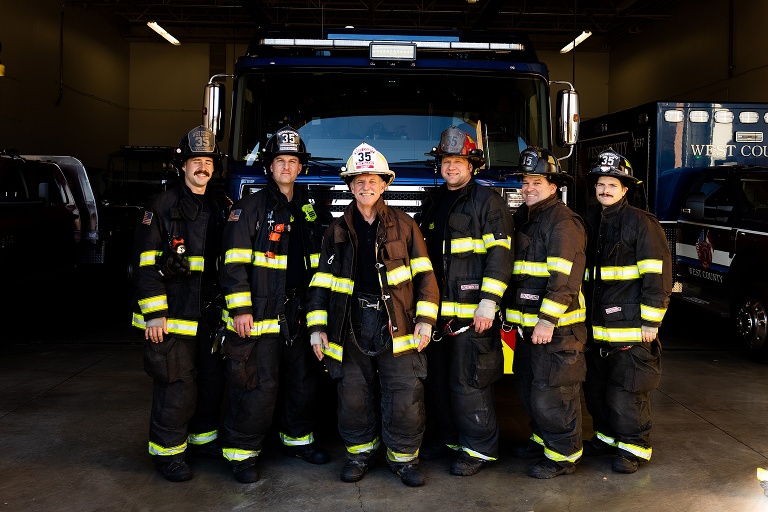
x,y
357,43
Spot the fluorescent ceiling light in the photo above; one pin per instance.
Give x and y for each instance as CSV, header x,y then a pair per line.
x,y
579,39
160,30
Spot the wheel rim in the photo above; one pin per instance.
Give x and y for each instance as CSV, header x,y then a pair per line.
x,y
753,323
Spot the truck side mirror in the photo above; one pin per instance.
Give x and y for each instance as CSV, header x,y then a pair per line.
x,y
213,108
694,207
567,117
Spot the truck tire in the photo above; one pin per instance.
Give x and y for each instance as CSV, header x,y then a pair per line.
x,y
752,322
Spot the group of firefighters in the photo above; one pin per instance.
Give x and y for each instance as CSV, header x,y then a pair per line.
x,y
406,314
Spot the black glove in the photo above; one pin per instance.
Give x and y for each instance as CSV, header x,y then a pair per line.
x,y
175,265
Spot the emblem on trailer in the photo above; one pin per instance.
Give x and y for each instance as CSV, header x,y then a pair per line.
x,y
704,248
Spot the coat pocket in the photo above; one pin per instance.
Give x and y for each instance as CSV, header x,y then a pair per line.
x,y
241,367
487,358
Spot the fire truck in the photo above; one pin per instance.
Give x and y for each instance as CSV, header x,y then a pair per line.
x,y
704,168
396,91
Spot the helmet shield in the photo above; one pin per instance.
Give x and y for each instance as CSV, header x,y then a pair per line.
x,y
365,159
200,141
286,141
610,163
536,160
455,142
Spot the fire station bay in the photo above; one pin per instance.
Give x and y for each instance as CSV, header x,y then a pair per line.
x,y
176,174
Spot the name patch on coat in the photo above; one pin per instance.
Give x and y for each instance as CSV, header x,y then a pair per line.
x,y
529,296
470,287
147,220
614,309
234,215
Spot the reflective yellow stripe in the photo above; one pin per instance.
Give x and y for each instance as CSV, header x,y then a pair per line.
x,y
493,286
652,314
420,265
559,457
552,308
238,455
336,284
203,438
530,268
238,300
317,317
536,439
476,455
156,449
449,309
460,245
297,441
427,309
515,316
650,266
152,304
606,439
182,327
260,328
559,265
401,457
314,259
334,351
238,255
638,451
196,263
619,273
365,447
279,262
398,275
586,274
489,240
617,335
405,343
148,258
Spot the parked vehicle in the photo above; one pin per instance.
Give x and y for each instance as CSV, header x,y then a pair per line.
x,y
704,168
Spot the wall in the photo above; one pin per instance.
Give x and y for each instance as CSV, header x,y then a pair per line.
x,y
86,114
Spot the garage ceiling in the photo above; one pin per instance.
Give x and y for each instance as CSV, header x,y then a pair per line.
x,y
550,24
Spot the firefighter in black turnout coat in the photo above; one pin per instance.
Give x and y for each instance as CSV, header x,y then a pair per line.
x,y
271,249
176,247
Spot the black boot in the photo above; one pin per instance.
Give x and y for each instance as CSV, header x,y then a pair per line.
x,y
625,464
245,471
409,473
175,469
466,465
354,470
308,453
547,468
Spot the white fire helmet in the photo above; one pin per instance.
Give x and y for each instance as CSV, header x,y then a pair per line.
x,y
366,159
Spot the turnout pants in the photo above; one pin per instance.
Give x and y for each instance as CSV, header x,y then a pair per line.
x,y
378,392
618,394
463,369
256,369
549,380
188,388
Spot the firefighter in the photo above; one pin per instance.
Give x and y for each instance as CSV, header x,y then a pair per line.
x,y
468,230
176,247
546,304
373,303
628,284
271,249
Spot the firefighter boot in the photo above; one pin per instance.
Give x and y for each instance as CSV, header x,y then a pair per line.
x,y
467,465
625,464
528,450
308,453
174,469
245,471
547,468
354,470
409,473
595,447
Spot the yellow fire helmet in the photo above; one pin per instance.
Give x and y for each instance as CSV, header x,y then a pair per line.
x,y
366,159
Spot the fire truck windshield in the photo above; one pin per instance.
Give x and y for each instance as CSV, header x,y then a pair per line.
x,y
400,112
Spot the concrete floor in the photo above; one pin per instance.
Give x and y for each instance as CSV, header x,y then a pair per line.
x,y
74,408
